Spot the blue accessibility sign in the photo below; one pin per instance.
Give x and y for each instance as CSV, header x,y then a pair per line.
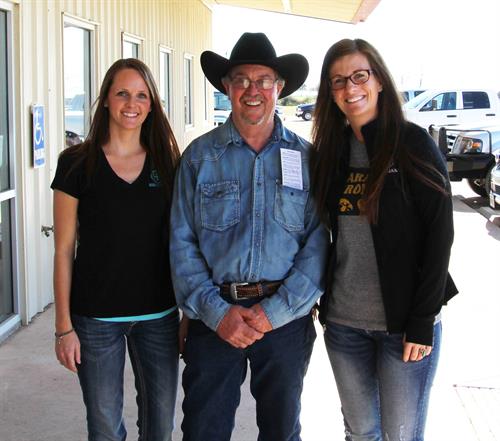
x,y
38,135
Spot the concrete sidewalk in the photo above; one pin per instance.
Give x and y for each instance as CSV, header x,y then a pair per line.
x,y
40,401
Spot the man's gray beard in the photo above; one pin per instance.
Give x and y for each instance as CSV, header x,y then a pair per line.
x,y
254,123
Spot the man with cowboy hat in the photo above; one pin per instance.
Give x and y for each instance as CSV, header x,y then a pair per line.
x,y
247,251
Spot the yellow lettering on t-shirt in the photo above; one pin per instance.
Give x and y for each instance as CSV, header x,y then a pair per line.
x,y
358,189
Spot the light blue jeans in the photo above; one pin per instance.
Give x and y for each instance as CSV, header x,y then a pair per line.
x,y
153,351
383,398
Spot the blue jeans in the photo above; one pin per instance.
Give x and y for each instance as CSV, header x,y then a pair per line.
x,y
153,351
215,371
382,397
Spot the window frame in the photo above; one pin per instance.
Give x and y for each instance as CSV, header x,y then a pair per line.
x,y
92,27
165,50
127,37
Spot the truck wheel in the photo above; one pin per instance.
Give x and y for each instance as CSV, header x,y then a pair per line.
x,y
307,116
487,187
487,182
478,186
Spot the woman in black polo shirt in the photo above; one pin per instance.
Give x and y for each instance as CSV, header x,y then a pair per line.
x,y
112,199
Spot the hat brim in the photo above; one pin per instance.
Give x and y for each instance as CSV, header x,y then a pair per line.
x,y
293,68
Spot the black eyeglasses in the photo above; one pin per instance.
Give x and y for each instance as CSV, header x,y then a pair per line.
x,y
244,83
360,76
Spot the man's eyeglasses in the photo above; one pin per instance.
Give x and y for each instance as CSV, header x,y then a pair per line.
x,y
244,83
357,77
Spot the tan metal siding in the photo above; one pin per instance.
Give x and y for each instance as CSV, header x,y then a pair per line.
x,y
182,25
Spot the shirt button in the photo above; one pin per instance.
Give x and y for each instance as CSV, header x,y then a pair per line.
x,y
257,214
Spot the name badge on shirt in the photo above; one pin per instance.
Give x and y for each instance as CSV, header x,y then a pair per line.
x,y
291,169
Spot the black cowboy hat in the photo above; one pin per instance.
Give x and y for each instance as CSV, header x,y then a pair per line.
x,y
256,49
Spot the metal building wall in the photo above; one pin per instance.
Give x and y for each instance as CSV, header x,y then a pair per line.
x,y
181,25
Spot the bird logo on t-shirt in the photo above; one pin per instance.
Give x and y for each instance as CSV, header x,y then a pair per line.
x,y
345,205
154,179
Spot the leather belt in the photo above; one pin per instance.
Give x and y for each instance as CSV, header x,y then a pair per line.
x,y
245,290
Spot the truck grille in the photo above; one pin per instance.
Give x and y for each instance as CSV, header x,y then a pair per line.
x,y
451,137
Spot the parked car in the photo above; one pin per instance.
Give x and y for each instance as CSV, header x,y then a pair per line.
x,y
453,106
220,116
305,111
279,111
494,186
222,108
72,138
408,95
471,153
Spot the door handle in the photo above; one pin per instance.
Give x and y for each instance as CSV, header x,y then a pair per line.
x,y
451,116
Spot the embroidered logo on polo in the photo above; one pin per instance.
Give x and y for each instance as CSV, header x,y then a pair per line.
x,y
154,179
351,198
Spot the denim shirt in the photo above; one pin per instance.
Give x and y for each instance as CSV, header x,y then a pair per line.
x,y
233,221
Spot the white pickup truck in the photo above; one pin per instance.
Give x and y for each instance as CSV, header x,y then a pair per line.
x,y
471,153
453,106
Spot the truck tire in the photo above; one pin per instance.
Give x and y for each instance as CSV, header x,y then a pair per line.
x,y
487,188
307,116
478,186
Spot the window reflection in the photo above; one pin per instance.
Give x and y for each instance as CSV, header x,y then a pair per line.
x,y
6,303
76,83
188,91
130,49
4,111
6,293
165,72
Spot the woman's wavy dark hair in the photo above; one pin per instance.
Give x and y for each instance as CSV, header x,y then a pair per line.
x,y
329,134
157,137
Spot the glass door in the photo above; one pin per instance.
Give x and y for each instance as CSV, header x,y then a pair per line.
x,y
6,186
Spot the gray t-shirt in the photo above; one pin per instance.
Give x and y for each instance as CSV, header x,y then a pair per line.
x,y
356,297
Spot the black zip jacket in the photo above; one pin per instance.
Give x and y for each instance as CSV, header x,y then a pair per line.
x,y
412,239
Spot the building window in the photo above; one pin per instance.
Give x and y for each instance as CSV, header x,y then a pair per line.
x,y
206,98
166,80
131,46
188,90
78,53
7,191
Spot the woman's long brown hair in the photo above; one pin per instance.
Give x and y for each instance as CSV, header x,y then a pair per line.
x,y
157,136
329,134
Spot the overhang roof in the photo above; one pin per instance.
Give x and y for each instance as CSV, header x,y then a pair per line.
x,y
347,11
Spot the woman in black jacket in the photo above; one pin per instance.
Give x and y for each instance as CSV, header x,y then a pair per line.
x,y
381,185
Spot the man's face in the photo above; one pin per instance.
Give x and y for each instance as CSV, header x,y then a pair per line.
x,y
254,105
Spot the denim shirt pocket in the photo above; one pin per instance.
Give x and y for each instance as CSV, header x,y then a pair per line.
x,y
220,205
290,207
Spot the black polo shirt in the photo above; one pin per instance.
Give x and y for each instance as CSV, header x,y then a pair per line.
x,y
121,266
